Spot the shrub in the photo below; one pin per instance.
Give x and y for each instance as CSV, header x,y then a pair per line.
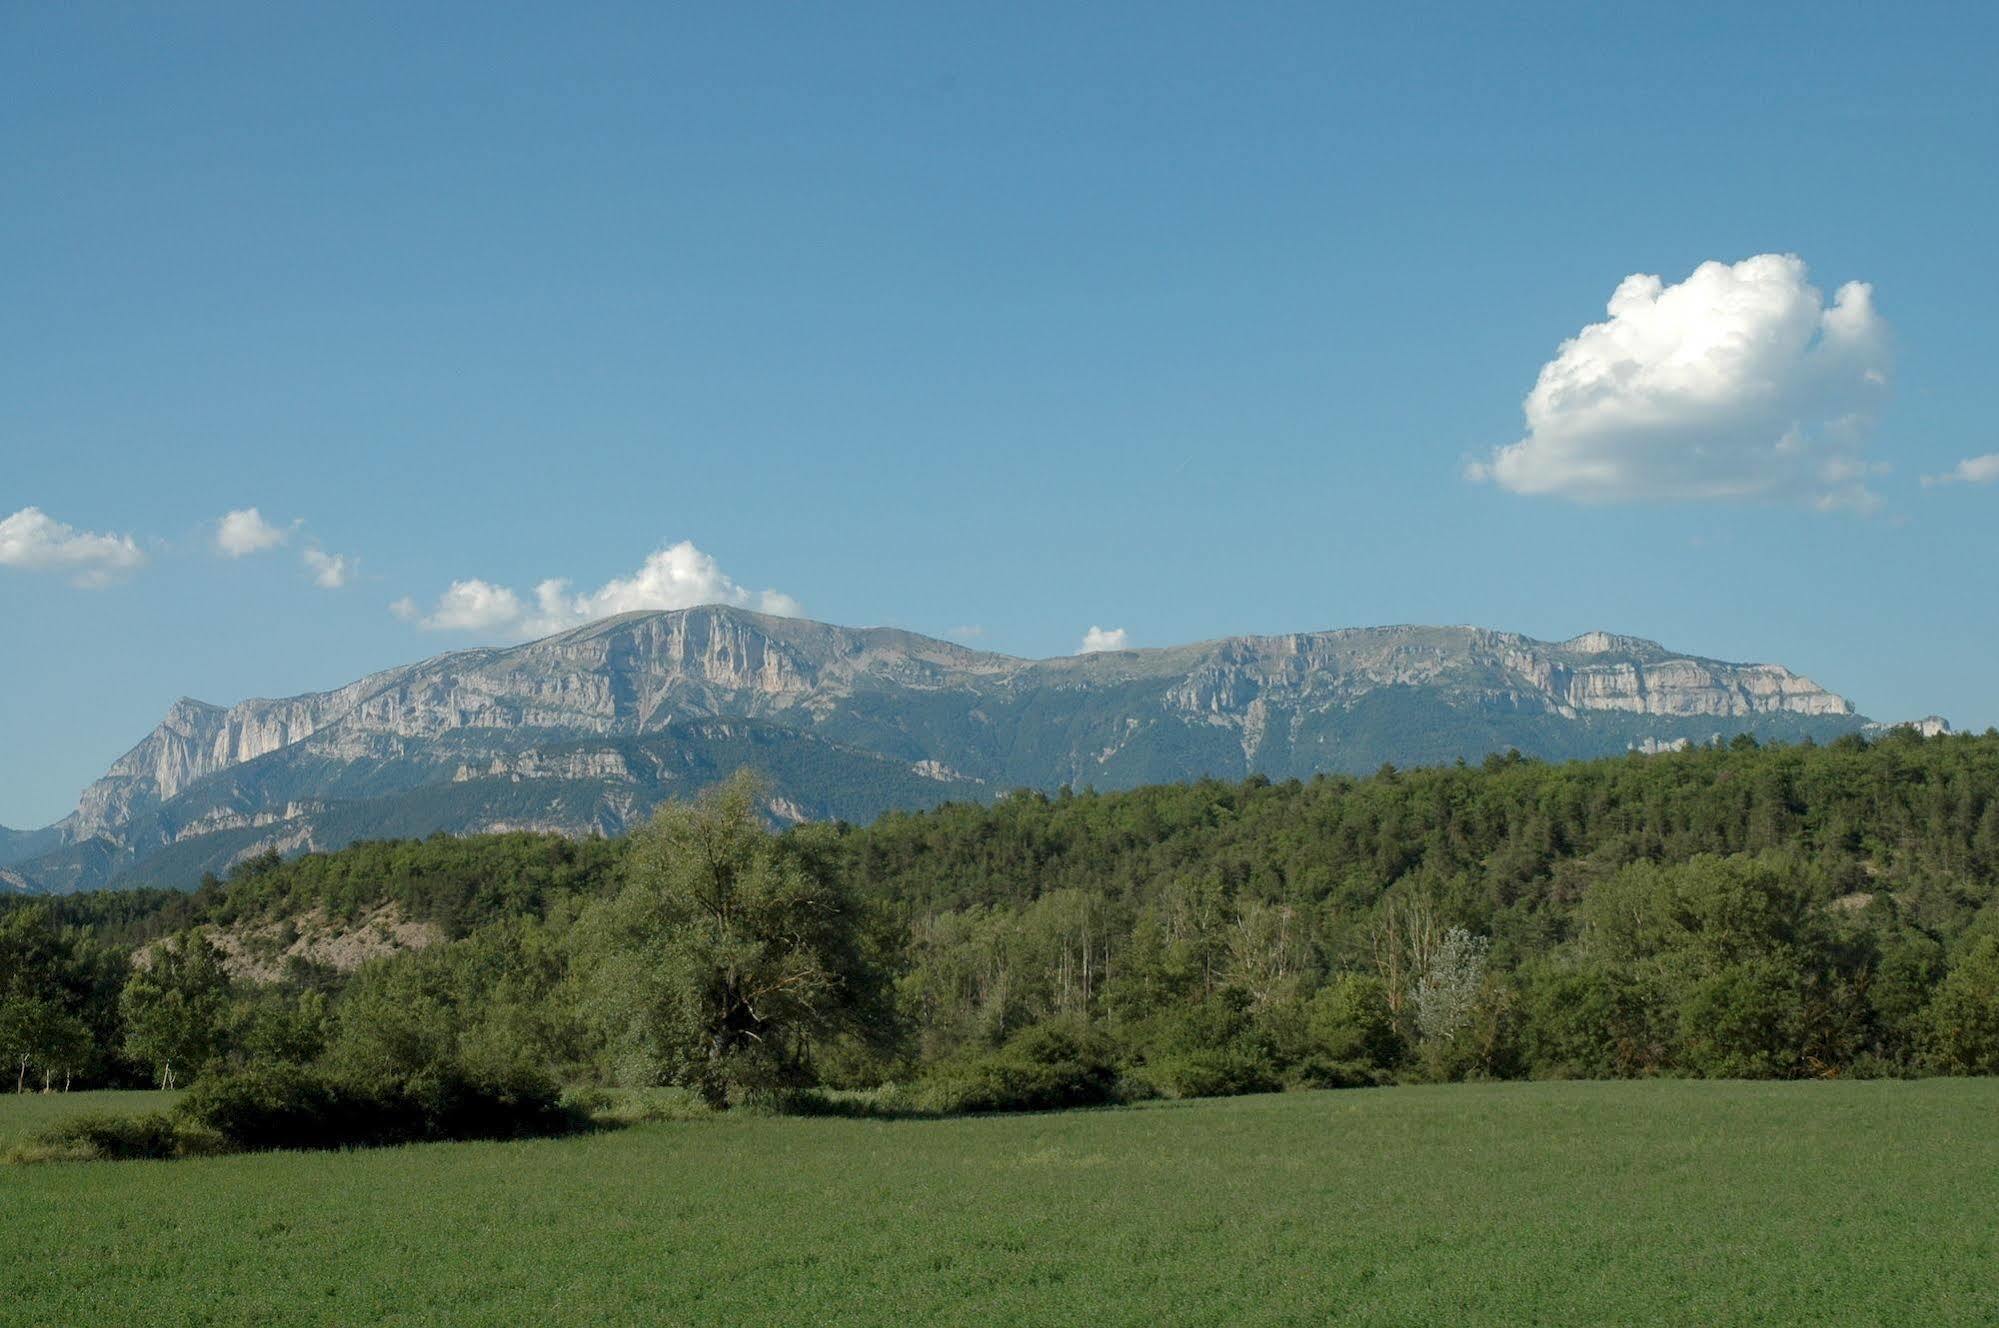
x,y
513,1104
1964,1014
1350,1021
1212,1072
87,1138
298,1107
638,1106
1323,1072
282,1106
1042,1068
1589,1020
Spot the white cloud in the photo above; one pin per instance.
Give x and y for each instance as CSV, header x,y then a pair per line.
x,y
244,531
1103,638
330,571
34,540
1971,470
1740,382
467,606
679,576
969,632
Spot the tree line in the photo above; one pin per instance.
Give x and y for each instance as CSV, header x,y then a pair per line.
x,y
1740,911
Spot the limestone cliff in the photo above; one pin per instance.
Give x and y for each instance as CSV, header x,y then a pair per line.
x,y
587,729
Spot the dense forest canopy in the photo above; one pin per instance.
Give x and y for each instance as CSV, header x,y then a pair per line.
x,y
1742,910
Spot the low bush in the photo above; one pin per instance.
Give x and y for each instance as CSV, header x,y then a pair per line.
x,y
157,1134
1043,1068
1324,1072
466,1104
299,1107
1216,1072
636,1106
1351,1023
284,1106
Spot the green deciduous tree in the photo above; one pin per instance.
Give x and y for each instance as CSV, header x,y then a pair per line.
x,y
727,952
40,1036
1964,1015
174,1007
56,988
1351,1022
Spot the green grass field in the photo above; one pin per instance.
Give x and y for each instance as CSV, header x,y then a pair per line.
x,y
22,1114
1634,1203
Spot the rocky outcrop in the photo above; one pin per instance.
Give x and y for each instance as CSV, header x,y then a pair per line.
x,y
1594,672
611,716
264,951
1930,726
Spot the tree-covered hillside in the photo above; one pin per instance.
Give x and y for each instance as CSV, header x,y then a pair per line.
x,y
1762,911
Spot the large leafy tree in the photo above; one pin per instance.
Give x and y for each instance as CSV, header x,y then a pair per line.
x,y
726,955
1964,1016
55,988
174,1008
41,1036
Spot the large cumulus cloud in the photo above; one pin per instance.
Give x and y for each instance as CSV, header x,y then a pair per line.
x,y
34,540
1740,382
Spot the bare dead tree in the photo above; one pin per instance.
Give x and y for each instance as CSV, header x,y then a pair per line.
x,y
1402,942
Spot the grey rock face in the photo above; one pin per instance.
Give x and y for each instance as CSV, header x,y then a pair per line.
x,y
587,730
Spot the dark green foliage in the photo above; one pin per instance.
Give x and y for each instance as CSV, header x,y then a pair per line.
x,y
1756,910
1351,1023
1213,1047
276,1106
1218,1071
1589,1019
727,954
289,1106
1060,1064
272,1026
103,1135
174,1006
58,1001
1964,1017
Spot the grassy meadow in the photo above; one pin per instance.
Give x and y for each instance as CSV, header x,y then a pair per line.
x,y
24,1114
1550,1203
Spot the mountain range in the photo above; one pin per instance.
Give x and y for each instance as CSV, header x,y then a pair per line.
x,y
588,730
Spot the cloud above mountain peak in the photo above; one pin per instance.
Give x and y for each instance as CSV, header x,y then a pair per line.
x,y
675,576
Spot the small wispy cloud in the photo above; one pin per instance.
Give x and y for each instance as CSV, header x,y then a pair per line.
x,y
471,605
330,571
1099,639
244,531
1971,470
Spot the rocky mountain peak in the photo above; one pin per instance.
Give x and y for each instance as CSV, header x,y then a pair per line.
x,y
587,729
1609,643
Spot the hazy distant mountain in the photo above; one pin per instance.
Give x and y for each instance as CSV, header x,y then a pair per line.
x,y
588,730
20,845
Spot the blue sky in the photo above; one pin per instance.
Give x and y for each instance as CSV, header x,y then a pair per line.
x,y
1180,320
